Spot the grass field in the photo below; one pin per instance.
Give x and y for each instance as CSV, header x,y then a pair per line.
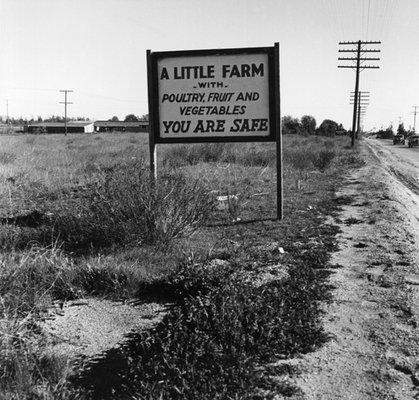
x,y
80,217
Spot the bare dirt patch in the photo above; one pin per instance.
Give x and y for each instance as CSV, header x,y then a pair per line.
x,y
87,327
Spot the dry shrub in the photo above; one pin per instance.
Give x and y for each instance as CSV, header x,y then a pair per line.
x,y
323,159
126,207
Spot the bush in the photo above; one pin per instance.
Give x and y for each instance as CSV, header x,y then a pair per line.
x,y
126,207
322,159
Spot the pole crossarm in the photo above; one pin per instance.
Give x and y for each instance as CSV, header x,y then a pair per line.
x,y
362,66
361,59
361,42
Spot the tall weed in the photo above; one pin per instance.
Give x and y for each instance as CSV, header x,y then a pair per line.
x,y
27,370
127,207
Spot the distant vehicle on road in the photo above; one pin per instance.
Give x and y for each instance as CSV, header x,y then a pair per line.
x,y
399,138
413,141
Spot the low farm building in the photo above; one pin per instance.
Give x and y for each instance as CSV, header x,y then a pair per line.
x,y
59,127
121,126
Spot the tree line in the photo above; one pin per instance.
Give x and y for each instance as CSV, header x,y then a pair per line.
x,y
307,125
58,118
26,121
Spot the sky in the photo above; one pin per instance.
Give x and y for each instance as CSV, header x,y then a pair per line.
x,y
97,48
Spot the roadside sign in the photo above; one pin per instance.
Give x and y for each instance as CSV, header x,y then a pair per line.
x,y
218,95
213,95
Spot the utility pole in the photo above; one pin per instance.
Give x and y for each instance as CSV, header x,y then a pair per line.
x,y
358,50
363,102
65,102
414,118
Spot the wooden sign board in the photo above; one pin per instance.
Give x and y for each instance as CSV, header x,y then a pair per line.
x,y
213,95
224,95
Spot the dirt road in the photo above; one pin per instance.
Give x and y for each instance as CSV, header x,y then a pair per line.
x,y
373,351
400,160
406,154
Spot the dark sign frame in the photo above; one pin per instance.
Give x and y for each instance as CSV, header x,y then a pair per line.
x,y
153,85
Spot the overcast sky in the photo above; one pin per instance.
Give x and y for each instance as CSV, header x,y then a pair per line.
x,y
97,48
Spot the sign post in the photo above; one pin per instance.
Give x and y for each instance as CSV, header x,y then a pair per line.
x,y
220,95
278,135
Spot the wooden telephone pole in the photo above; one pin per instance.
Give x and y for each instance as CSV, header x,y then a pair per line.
x,y
363,103
359,50
65,102
414,118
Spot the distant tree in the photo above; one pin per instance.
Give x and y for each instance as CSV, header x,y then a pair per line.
x,y
308,124
131,118
401,130
328,128
39,119
290,125
385,134
409,132
144,117
54,118
114,119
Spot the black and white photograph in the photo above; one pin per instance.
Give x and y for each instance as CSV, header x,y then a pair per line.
x,y
209,199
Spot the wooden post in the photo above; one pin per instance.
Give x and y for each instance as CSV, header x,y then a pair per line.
x,y
151,142
356,93
278,135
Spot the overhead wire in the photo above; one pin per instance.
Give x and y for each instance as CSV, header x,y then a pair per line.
x,y
362,20
368,19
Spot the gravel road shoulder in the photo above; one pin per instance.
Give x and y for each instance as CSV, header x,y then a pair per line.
x,y
374,346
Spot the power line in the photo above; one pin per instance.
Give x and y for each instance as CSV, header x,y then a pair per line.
x,y
65,102
368,18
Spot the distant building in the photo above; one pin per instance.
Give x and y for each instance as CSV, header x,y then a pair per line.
x,y
121,126
59,127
